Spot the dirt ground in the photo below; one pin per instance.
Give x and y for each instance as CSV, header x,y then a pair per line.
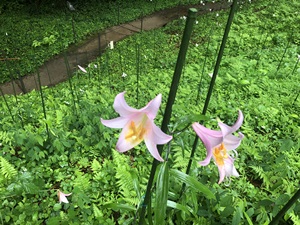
x,y
55,70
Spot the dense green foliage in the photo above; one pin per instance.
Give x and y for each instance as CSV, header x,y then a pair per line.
x,y
259,74
30,36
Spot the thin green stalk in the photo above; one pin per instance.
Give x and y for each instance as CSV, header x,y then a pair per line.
x,y
285,208
212,82
142,21
49,77
6,103
108,69
138,58
278,67
296,98
15,94
171,99
70,82
295,67
43,102
118,19
204,64
22,85
99,44
73,27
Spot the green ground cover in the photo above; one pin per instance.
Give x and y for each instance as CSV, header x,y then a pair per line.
x,y
259,75
30,35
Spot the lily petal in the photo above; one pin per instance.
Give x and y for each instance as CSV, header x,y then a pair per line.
x,y
121,106
210,139
152,107
214,137
232,142
82,69
222,173
226,130
119,122
158,136
124,144
62,197
151,145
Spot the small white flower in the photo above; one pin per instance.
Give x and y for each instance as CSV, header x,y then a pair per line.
x,y
62,197
210,74
298,57
6,33
124,74
183,17
217,14
70,6
95,66
210,10
196,22
196,45
111,45
82,69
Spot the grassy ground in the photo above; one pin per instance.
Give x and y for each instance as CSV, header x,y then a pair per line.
x,y
32,35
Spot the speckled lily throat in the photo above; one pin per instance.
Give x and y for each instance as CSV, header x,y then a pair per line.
x,y
137,131
220,153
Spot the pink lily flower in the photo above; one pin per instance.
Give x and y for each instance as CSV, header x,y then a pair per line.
x,y
62,197
138,125
219,145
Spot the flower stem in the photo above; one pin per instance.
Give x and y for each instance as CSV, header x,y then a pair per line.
x,y
172,94
212,82
6,103
43,102
138,58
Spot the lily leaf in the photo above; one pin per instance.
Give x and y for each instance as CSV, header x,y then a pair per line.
x,y
193,183
185,121
162,188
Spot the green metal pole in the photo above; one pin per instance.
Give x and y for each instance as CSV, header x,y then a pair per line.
x,y
285,208
171,99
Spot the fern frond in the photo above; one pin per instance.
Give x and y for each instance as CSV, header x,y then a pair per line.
x,y
125,179
295,218
5,137
6,169
133,201
262,175
180,161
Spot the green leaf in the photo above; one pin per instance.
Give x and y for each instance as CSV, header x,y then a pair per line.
x,y
178,206
57,207
193,183
226,201
265,202
282,199
97,212
237,217
117,206
248,218
227,211
162,188
189,119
